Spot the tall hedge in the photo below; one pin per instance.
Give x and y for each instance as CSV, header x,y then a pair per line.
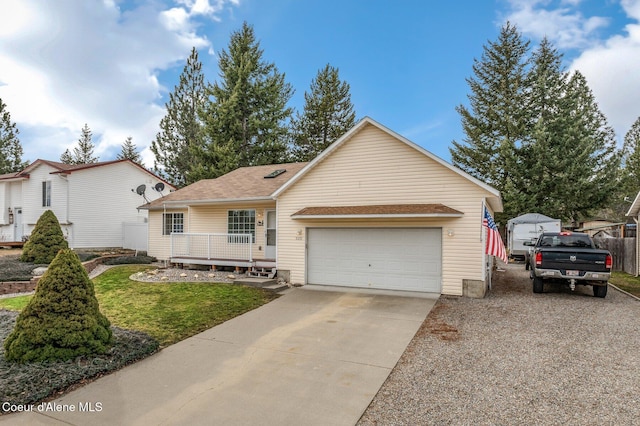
x,y
63,319
45,241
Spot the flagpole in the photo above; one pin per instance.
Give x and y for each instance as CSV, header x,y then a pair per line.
x,y
486,269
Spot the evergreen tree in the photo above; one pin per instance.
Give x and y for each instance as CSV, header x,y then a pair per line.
x,y
66,157
496,124
176,145
10,148
45,241
83,153
63,319
590,159
246,119
541,155
328,114
631,170
129,151
536,133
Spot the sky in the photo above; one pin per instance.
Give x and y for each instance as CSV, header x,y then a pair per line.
x,y
112,63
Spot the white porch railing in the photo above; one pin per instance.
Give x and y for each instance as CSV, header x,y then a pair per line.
x,y
212,246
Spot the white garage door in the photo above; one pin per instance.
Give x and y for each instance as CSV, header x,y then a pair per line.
x,y
380,258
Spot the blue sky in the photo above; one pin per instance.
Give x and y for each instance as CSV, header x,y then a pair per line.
x,y
111,64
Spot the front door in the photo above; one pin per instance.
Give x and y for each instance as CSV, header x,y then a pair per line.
x,y
18,232
270,247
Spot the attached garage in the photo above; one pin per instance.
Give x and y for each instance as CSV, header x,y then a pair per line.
x,y
408,259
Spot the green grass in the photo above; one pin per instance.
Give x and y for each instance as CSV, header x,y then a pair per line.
x,y
169,312
626,282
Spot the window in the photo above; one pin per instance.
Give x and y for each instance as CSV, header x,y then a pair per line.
x,y
242,222
172,222
46,193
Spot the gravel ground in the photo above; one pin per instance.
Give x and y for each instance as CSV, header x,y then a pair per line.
x,y
514,357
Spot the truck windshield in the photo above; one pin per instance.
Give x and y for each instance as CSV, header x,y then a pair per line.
x,y
566,241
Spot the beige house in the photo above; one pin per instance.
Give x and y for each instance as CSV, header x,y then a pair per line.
x,y
373,210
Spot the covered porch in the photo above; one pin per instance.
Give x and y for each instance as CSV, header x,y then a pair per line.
x,y
216,249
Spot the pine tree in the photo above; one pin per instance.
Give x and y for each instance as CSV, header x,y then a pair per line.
x,y
176,145
83,152
540,158
129,151
10,148
63,319
631,180
591,158
66,157
246,119
45,241
495,125
328,114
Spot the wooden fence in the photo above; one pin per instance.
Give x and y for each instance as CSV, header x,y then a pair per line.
x,y
623,251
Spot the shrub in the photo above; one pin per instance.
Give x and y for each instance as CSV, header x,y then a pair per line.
x,y
127,260
46,240
63,319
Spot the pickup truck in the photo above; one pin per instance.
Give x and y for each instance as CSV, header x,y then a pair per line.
x,y
569,257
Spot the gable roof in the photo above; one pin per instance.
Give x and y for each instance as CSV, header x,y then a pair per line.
x,y
495,201
63,168
634,210
243,184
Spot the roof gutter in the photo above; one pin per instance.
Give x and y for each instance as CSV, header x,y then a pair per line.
x,y
376,216
187,203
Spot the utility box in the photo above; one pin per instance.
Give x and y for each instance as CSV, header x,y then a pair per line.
x,y
527,228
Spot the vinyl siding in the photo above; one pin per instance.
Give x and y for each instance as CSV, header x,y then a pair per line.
x,y
101,199
375,168
211,219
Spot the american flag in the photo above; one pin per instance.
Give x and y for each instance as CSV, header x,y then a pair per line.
x,y
495,246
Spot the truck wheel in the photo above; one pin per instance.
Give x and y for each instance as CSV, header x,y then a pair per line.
x,y
600,290
538,285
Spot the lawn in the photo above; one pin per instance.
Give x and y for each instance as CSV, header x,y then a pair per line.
x,y
626,282
144,316
169,312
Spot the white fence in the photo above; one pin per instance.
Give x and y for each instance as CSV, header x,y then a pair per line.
x,y
212,246
135,236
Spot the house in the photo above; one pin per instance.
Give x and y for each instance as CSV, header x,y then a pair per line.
x,y
634,212
373,210
93,202
602,226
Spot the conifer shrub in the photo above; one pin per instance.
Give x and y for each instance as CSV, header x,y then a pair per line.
x,y
63,319
45,241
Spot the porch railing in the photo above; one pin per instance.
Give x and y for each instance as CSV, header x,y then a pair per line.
x,y
212,246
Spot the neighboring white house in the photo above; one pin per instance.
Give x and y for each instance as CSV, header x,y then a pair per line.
x,y
373,210
634,212
93,202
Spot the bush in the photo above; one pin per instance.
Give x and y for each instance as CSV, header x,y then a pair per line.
x,y
127,260
63,319
46,240
31,382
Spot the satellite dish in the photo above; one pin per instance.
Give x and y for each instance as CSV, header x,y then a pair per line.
x,y
159,187
140,189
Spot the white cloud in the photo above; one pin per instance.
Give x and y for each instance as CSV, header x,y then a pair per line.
x,y
63,64
610,65
612,70
565,25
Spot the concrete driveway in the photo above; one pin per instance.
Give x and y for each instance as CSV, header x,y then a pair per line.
x,y
310,357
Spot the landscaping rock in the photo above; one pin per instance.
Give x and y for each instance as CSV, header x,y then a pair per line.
x,y
39,271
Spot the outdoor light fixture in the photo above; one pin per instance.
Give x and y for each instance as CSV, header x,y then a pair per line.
x,y
450,232
10,216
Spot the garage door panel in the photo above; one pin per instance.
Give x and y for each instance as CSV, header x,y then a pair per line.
x,y
383,258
